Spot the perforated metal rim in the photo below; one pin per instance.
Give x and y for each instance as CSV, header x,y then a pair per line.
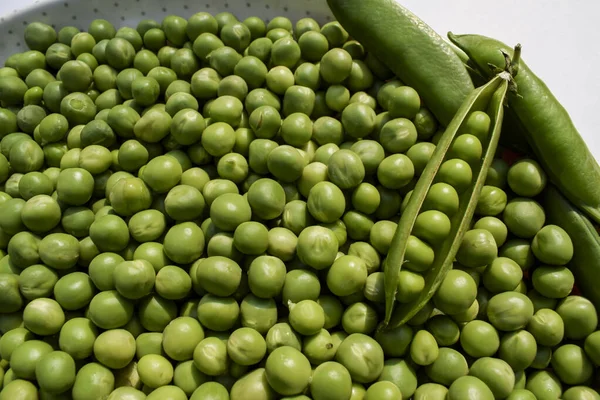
x,y
80,13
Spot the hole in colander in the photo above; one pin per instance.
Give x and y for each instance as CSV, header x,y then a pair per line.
x,y
207,5
18,44
285,9
44,13
66,4
226,5
143,12
24,22
164,9
267,6
185,7
122,18
74,17
248,5
10,32
95,10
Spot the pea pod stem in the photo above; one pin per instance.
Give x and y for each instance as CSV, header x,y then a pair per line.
x,y
546,124
490,98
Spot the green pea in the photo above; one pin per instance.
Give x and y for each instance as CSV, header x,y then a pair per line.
x,y
456,293
524,217
40,78
358,120
395,171
448,367
580,392
424,349
579,316
430,391
298,99
502,275
210,356
456,173
552,245
246,346
553,281
313,45
526,178
510,311
199,23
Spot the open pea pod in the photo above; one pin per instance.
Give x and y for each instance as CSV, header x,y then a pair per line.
x,y
488,98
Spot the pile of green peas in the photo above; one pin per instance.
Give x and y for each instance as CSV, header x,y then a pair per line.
x,y
201,208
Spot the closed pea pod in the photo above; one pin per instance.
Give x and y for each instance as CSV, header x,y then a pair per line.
x,y
549,130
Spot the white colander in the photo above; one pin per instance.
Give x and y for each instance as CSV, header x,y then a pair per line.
x,y
80,13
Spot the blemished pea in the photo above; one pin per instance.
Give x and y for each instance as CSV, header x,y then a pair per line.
x,y
246,346
526,178
317,247
509,311
398,135
492,201
478,248
210,356
524,217
502,275
372,155
370,361
424,349
547,327
456,173
360,317
552,245
579,316
448,367
374,287
265,122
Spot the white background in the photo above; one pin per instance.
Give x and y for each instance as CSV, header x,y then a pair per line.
x,y
560,38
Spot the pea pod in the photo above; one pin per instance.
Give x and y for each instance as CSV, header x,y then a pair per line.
x,y
411,49
547,126
488,98
585,263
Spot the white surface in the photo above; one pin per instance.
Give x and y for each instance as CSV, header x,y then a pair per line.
x,y
559,37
